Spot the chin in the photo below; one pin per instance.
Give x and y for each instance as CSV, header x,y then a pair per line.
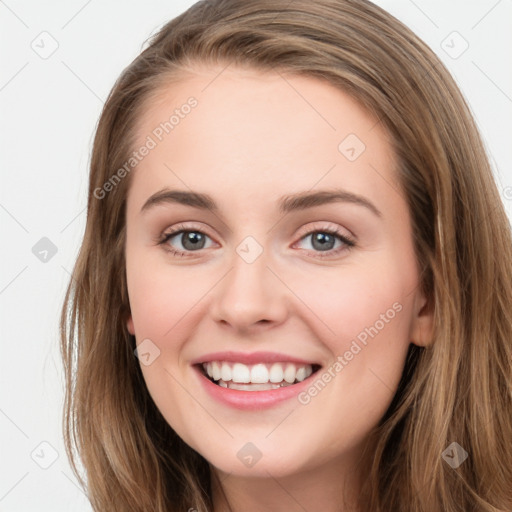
x,y
250,461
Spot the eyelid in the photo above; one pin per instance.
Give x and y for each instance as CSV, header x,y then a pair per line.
x,y
303,231
178,228
348,240
323,225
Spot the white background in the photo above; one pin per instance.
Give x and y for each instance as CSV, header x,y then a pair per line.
x,y
49,109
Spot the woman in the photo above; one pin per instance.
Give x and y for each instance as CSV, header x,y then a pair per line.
x,y
340,340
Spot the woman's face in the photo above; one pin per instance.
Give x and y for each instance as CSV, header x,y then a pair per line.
x,y
295,256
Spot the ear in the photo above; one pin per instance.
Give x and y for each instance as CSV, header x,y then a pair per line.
x,y
422,324
129,325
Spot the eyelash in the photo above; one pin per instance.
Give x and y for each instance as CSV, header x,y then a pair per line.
x,y
348,241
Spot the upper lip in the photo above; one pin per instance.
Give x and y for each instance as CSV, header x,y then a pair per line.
x,y
251,358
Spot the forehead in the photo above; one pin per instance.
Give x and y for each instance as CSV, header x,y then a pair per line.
x,y
262,132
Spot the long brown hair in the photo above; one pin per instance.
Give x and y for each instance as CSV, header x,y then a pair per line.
x,y
459,389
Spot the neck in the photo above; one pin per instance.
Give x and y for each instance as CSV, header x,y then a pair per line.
x,y
331,487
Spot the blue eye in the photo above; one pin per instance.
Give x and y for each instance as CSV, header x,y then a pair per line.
x,y
323,242
190,240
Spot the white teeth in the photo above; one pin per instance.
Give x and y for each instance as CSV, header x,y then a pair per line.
x,y
259,374
289,373
252,387
301,374
216,370
241,373
226,373
276,373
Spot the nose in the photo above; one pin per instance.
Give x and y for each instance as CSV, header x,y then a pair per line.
x,y
250,297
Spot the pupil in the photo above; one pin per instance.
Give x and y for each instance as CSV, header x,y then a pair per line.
x,y
323,241
194,239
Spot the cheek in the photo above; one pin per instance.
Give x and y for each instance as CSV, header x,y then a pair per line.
x,y
162,300
164,307
353,302
364,316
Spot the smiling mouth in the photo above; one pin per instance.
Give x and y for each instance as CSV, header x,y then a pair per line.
x,y
256,377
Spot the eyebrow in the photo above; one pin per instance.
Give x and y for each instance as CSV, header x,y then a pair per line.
x,y
289,203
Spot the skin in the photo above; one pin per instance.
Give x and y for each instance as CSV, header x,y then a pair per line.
x,y
253,138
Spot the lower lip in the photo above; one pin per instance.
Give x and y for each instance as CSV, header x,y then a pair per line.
x,y
252,400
